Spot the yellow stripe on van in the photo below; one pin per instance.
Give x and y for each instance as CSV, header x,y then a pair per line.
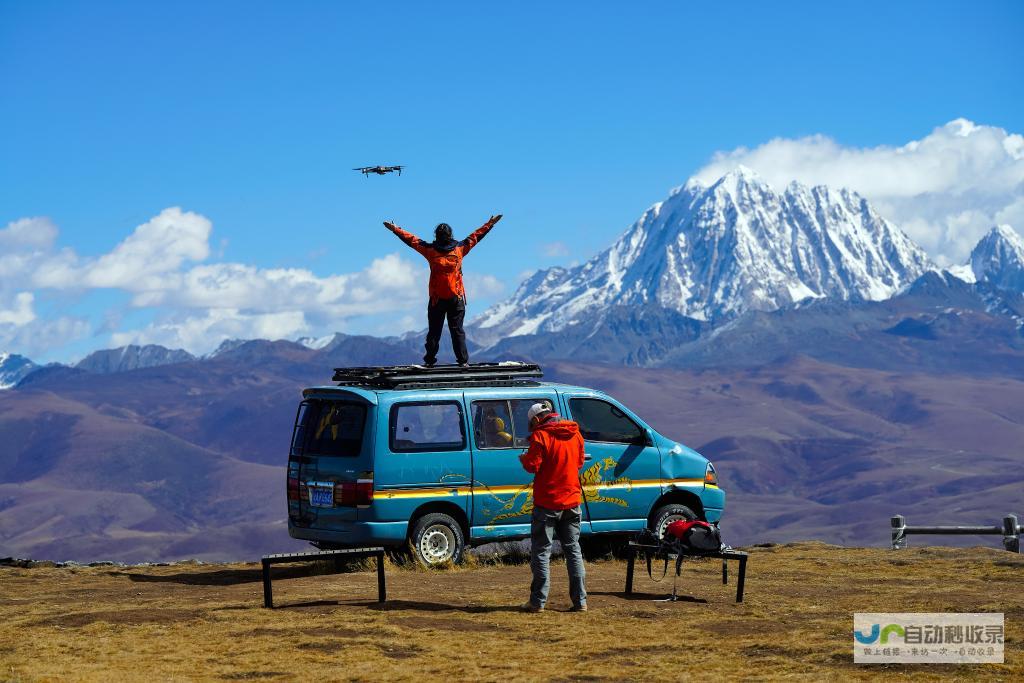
x,y
421,493
455,492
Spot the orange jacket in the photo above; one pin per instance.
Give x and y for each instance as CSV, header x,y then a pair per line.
x,y
555,456
445,260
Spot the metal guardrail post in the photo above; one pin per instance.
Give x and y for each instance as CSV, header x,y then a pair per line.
x,y
1011,534
899,537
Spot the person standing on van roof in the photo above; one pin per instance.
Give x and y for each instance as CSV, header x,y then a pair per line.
x,y
447,293
555,456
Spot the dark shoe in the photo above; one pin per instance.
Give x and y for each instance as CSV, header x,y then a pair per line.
x,y
530,607
578,608
463,365
429,364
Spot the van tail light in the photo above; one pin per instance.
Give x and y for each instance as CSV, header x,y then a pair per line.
x,y
364,490
293,489
710,476
357,493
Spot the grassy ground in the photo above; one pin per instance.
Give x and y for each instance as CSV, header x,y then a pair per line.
x,y
189,622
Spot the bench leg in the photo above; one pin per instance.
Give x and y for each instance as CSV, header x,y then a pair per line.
x,y
268,592
382,590
725,571
739,581
630,561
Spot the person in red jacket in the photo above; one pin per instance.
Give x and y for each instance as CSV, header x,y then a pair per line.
x,y
447,293
555,457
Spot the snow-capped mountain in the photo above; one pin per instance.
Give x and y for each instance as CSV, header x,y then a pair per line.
x,y
999,259
316,343
713,252
132,357
14,368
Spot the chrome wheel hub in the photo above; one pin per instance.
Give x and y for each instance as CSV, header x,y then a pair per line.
x,y
437,544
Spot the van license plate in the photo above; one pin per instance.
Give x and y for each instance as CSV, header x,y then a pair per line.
x,y
321,495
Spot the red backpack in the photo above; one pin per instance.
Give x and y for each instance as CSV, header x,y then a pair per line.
x,y
693,536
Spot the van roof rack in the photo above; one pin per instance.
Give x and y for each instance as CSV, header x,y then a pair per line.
x,y
506,373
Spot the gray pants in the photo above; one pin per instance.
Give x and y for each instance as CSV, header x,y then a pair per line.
x,y
544,526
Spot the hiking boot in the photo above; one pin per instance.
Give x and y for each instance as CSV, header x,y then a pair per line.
x,y
578,608
530,607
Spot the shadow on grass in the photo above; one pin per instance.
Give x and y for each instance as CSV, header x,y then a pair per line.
x,y
226,577
650,597
406,605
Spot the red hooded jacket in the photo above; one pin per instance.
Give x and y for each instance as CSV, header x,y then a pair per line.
x,y
445,260
555,456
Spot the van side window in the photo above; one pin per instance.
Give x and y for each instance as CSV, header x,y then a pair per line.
x,y
492,424
503,424
427,426
601,421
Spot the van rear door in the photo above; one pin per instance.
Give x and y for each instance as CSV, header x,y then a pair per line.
x,y
331,459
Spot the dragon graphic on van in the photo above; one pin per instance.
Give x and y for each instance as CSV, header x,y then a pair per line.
x,y
592,483
510,510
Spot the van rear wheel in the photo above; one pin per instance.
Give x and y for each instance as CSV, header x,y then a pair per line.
x,y
667,514
437,539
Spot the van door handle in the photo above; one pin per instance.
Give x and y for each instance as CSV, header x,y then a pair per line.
x,y
587,457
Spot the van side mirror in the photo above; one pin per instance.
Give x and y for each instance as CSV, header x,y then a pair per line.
x,y
648,438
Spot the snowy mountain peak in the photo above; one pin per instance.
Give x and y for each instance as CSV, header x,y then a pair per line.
x,y
13,369
132,357
317,343
998,259
713,252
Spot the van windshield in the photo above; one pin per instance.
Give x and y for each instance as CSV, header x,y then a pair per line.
x,y
332,428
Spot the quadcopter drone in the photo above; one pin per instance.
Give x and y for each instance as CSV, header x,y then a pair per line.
x,y
379,170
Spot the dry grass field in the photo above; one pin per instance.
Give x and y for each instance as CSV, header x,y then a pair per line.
x,y
206,622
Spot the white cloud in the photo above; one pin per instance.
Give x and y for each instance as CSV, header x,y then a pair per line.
x,y
28,232
945,190
39,336
159,246
204,332
19,312
480,286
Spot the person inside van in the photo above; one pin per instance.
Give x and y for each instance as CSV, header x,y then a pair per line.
x,y
446,290
555,457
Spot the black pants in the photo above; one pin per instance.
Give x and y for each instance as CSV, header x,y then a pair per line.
x,y
437,311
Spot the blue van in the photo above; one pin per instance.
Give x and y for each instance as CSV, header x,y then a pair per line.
x,y
429,457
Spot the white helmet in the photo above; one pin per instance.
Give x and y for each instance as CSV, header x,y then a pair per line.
x,y
538,409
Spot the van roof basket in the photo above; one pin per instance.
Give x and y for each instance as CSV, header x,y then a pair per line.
x,y
507,373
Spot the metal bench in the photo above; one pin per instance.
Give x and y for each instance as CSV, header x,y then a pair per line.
x,y
649,551
313,556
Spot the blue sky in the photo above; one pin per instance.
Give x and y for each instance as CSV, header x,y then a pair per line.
x,y
569,118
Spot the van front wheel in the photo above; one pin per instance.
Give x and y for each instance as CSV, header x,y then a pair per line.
x,y
437,539
667,514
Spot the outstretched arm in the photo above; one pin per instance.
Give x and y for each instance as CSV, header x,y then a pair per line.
x,y
478,234
407,237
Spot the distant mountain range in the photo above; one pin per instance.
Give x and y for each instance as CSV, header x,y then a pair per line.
x,y
801,341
